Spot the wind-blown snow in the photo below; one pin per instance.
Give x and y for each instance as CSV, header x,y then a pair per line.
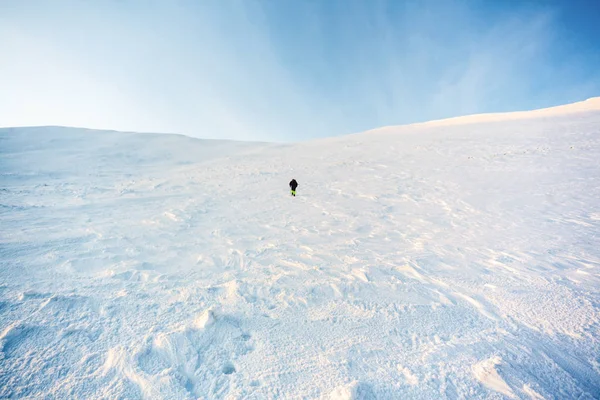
x,y
456,259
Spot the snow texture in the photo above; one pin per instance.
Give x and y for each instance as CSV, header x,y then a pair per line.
x,y
452,259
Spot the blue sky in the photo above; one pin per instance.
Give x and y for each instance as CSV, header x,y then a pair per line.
x,y
289,70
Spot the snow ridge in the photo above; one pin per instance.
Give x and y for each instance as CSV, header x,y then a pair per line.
x,y
589,105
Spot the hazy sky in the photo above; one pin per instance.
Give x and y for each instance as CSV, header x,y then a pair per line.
x,y
288,70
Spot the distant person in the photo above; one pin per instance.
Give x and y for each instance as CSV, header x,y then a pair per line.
x,y
293,185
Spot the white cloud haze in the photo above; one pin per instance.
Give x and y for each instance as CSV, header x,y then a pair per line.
x,y
258,71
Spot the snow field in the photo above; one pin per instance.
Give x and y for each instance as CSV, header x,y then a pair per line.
x,y
426,261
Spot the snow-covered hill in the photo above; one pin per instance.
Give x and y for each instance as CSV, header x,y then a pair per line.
x,y
454,259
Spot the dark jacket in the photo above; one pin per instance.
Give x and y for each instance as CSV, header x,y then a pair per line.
x,y
293,184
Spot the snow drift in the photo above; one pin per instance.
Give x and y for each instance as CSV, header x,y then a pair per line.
x,y
454,259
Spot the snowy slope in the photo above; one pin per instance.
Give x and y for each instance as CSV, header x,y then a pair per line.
x,y
442,260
